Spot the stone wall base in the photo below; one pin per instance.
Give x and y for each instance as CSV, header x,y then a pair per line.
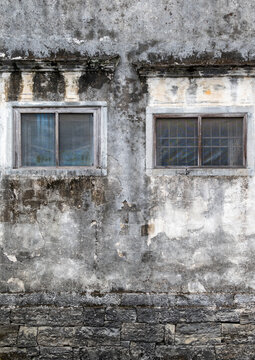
x,y
127,326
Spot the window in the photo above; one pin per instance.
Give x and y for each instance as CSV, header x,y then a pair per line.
x,y
200,141
57,137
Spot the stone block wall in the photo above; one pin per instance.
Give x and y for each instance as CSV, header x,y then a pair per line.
x,y
127,326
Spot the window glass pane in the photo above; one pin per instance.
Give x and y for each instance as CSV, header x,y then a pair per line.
x,y
76,140
177,142
222,142
38,139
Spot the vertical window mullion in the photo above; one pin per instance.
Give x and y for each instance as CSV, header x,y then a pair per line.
x,y
244,140
57,137
95,138
199,141
18,134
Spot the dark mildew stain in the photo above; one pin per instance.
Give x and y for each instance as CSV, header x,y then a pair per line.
x,y
94,80
14,86
49,86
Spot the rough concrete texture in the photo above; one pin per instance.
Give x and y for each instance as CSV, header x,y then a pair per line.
x,y
66,238
145,29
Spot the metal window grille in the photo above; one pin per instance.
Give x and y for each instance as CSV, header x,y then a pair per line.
x,y
200,140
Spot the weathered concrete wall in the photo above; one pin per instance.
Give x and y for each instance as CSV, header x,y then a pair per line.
x,y
72,246
145,29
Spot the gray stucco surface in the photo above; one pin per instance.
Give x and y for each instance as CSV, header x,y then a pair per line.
x,y
84,250
179,28
85,233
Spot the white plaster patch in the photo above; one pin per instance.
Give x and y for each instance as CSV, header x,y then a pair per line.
x,y
11,257
196,287
71,81
105,38
27,89
201,91
16,284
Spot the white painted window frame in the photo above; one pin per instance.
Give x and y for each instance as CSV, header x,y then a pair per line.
x,y
151,111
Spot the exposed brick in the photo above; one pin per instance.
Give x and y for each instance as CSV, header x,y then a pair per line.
x,y
142,332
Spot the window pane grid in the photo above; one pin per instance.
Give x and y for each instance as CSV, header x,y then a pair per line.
x,y
176,142
222,142
56,139
221,139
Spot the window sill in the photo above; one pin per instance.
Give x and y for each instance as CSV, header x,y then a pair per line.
x,y
200,172
56,172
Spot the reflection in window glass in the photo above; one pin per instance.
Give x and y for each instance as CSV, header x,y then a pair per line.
x,y
222,142
76,140
176,142
38,139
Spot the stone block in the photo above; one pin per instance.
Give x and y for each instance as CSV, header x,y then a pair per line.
x,y
12,353
158,316
93,336
144,300
120,315
204,300
8,335
169,334
244,299
235,352
57,336
185,353
247,317
47,316
104,353
93,316
107,299
196,315
27,336
198,334
142,351
29,315
142,332
4,316
169,316
148,315
56,353
227,315
238,334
